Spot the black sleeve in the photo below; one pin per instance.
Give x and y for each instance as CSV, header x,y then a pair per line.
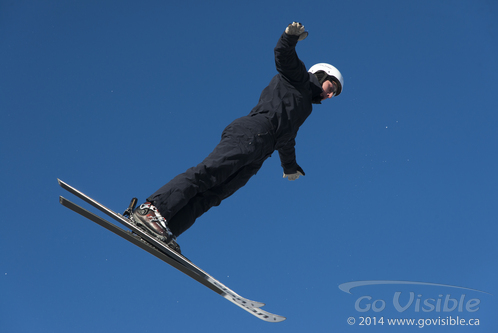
x,y
287,156
286,60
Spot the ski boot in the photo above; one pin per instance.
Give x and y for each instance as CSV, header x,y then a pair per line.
x,y
147,216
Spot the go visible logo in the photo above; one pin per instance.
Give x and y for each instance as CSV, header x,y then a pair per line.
x,y
403,301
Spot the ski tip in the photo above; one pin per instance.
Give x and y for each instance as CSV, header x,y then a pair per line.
x,y
268,317
279,319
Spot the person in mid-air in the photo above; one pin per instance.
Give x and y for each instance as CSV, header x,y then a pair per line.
x,y
245,144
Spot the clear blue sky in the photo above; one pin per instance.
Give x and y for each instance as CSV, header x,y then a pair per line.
x,y
117,97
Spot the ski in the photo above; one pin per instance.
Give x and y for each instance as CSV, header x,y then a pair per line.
x,y
138,237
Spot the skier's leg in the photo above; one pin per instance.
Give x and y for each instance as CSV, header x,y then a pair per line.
x,y
236,149
202,202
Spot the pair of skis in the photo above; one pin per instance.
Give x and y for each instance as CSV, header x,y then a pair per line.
x,y
157,248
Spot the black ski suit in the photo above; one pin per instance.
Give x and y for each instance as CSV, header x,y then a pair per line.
x,y
246,143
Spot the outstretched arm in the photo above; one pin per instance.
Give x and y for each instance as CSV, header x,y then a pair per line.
x,y
286,60
287,155
293,69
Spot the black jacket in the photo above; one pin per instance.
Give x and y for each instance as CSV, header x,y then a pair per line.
x,y
287,101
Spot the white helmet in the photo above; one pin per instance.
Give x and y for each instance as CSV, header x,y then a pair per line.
x,y
331,71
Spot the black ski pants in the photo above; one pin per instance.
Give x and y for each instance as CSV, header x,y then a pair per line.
x,y
245,144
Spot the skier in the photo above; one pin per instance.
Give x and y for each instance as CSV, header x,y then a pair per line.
x,y
245,144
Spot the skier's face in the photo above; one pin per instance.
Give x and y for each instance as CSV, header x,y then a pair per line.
x,y
329,89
